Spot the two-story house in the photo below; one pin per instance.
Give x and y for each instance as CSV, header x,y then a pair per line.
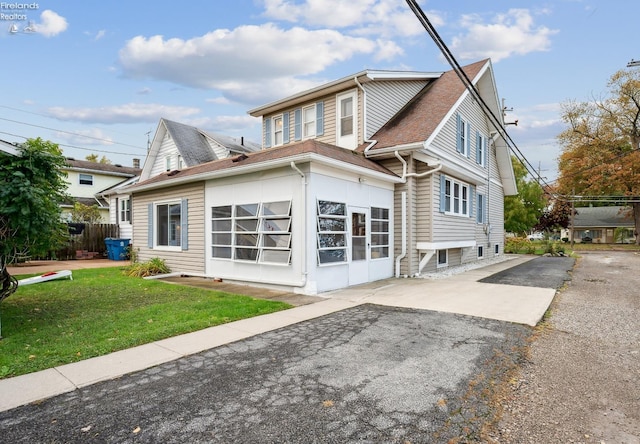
x,y
377,174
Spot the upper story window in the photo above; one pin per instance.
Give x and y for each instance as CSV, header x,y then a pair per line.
x,y
277,131
85,179
463,131
167,163
481,149
346,120
308,121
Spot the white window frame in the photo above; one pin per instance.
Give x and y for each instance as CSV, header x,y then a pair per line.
x,y
380,217
480,251
464,137
324,219
88,178
262,222
167,163
275,130
156,226
439,263
482,150
457,201
124,210
309,125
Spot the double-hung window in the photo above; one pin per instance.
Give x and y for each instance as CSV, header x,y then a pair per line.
x,y
168,224
277,131
308,121
125,210
454,197
481,149
85,179
463,131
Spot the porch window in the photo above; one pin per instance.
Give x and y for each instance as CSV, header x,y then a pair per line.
x,y
255,232
332,232
85,179
125,210
379,233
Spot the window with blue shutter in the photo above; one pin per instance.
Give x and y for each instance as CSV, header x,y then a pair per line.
x,y
150,226
297,124
267,132
319,118
459,137
478,147
443,196
472,191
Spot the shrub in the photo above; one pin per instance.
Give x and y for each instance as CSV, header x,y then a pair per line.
x,y
152,267
515,245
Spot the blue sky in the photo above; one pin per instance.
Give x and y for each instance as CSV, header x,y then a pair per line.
x,y
95,77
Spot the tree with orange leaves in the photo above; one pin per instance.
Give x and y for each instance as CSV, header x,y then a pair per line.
x,y
601,145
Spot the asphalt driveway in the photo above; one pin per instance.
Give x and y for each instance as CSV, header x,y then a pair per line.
x,y
370,373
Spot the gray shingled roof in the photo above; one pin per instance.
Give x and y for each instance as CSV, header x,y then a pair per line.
x,y
195,149
602,217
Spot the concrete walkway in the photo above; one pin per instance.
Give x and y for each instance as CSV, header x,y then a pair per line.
x,y
461,293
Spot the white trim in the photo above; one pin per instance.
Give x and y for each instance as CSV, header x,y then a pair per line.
x,y
446,245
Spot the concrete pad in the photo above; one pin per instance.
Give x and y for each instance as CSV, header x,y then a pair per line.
x,y
197,341
116,364
32,387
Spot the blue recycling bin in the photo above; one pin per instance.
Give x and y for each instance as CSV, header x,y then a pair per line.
x,y
117,248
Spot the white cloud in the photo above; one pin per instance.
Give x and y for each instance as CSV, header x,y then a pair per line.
x,y
100,34
512,33
238,59
51,24
218,100
127,113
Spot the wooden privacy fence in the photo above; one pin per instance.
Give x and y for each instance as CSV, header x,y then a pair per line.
x,y
86,241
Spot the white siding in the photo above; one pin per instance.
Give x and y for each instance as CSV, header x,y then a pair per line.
x,y
167,149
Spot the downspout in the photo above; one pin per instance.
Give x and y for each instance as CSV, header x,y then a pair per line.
x,y
364,118
403,206
303,247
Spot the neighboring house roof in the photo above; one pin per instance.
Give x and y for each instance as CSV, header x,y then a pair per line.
x,y
602,217
195,145
270,158
88,201
101,168
8,148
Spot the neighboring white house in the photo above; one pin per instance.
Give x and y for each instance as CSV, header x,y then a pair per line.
x,y
88,180
378,174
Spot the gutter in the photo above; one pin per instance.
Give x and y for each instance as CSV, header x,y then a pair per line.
x,y
371,142
303,256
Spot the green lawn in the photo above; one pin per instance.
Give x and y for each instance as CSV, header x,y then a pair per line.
x,y
101,311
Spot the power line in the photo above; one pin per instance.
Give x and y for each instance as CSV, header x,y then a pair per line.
x,y
497,123
72,133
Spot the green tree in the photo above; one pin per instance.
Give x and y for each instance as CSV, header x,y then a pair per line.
x,y
600,147
94,158
32,186
522,211
85,213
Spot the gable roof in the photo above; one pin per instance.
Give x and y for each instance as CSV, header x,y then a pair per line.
x,y
106,169
418,120
602,217
270,158
194,145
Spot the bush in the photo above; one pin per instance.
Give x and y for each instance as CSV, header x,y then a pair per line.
x,y
515,245
152,267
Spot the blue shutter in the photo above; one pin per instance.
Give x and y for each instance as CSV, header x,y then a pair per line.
x,y
267,133
150,226
472,190
442,187
297,124
458,132
319,118
479,153
184,225
468,139
486,153
285,128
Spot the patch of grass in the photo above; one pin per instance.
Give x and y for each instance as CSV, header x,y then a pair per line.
x,y
101,311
